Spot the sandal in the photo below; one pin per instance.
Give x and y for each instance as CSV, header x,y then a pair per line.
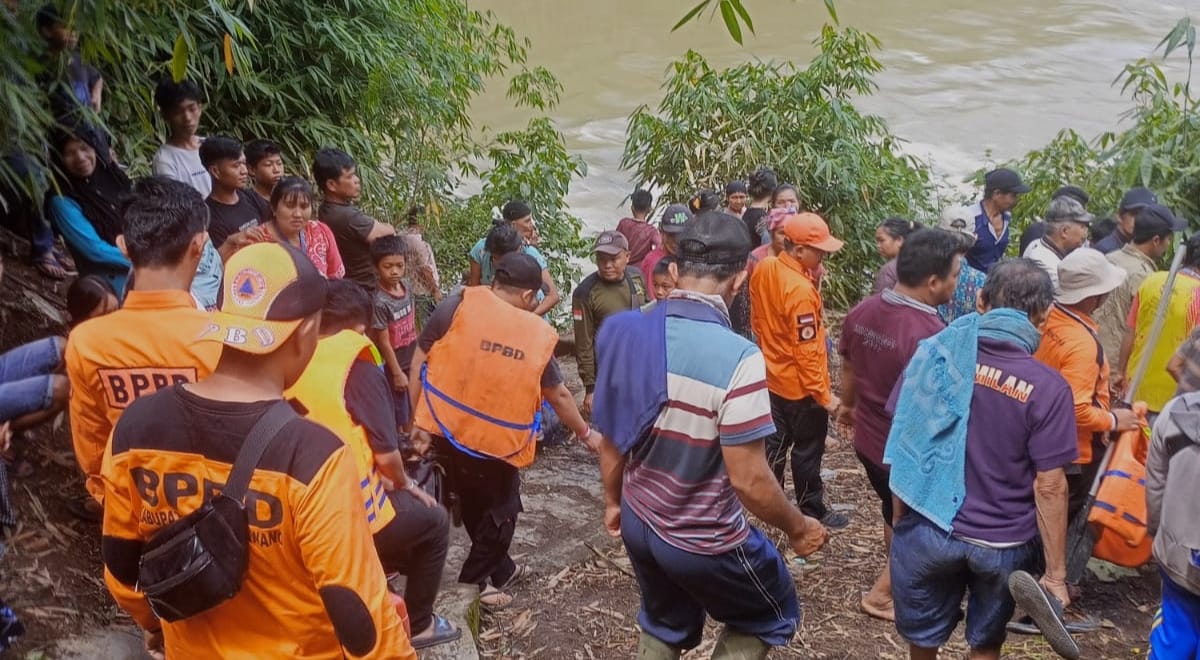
x,y
1045,610
48,266
521,572
441,631
86,509
493,600
64,259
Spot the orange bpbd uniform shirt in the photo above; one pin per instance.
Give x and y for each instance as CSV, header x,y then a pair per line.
x,y
314,588
114,359
787,316
1070,346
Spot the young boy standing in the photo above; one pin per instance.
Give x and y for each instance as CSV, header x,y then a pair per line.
x,y
179,159
336,176
264,159
394,322
232,209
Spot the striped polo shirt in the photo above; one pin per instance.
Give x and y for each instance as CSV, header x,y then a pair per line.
x,y
675,479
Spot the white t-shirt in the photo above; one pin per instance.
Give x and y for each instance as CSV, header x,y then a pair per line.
x,y
1046,257
183,165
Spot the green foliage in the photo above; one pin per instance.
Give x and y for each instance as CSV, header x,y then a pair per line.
x,y
715,125
734,15
389,81
1157,150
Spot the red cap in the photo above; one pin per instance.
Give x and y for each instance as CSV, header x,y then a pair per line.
x,y
809,229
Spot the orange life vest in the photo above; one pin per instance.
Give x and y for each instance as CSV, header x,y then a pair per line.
x,y
1119,515
322,390
481,384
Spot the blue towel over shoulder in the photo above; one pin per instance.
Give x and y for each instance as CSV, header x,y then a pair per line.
x,y
631,376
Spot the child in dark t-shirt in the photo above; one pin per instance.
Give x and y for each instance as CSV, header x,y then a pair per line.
x,y
394,321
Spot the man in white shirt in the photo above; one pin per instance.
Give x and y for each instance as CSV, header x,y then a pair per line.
x,y
1067,225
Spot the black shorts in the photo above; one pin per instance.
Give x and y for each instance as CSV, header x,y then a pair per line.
x,y
879,477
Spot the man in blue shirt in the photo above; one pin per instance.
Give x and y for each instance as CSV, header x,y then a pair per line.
x,y
1001,190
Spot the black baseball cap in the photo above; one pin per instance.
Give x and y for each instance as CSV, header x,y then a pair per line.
x,y
1004,180
1138,197
1155,220
714,238
734,187
519,270
674,218
1074,192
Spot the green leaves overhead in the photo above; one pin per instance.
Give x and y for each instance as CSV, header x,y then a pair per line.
x,y
732,11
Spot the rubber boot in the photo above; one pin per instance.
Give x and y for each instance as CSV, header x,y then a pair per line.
x,y
736,646
652,648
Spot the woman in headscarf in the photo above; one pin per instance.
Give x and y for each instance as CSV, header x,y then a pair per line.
x,y
86,208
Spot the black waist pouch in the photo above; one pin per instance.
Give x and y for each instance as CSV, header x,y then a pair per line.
x,y
200,560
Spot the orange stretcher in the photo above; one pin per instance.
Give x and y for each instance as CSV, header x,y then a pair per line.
x,y
1118,517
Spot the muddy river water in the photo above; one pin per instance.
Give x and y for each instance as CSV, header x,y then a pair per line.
x,y
965,81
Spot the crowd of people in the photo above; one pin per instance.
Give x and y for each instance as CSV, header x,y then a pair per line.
x,y
277,406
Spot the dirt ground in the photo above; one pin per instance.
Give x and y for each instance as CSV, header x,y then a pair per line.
x,y
588,610
581,601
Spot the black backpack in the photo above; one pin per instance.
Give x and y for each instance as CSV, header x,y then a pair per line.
x,y
200,560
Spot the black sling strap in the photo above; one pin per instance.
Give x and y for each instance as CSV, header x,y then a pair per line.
x,y
264,431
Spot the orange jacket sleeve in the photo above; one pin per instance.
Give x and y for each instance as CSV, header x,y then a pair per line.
x,y
89,419
809,350
338,550
1081,372
121,546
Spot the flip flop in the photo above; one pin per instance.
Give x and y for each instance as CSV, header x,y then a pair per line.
x,y
443,632
48,266
1046,612
1026,626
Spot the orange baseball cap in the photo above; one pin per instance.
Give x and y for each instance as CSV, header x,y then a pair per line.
x,y
811,230
268,291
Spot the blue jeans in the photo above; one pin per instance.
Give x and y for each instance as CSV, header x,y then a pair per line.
x,y
1176,631
748,588
931,570
26,383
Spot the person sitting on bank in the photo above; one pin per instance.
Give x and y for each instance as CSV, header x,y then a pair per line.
x,y
313,585
1005,424
410,528
85,209
614,287
292,223
484,428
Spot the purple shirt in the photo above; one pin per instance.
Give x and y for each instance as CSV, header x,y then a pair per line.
x,y
879,337
1022,422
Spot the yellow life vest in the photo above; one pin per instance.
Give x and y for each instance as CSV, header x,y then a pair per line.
x,y
481,383
322,390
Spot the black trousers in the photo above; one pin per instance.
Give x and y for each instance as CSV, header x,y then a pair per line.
x,y
489,496
1080,478
414,545
800,430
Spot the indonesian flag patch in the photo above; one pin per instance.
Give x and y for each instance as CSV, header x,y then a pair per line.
x,y
806,325
577,314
